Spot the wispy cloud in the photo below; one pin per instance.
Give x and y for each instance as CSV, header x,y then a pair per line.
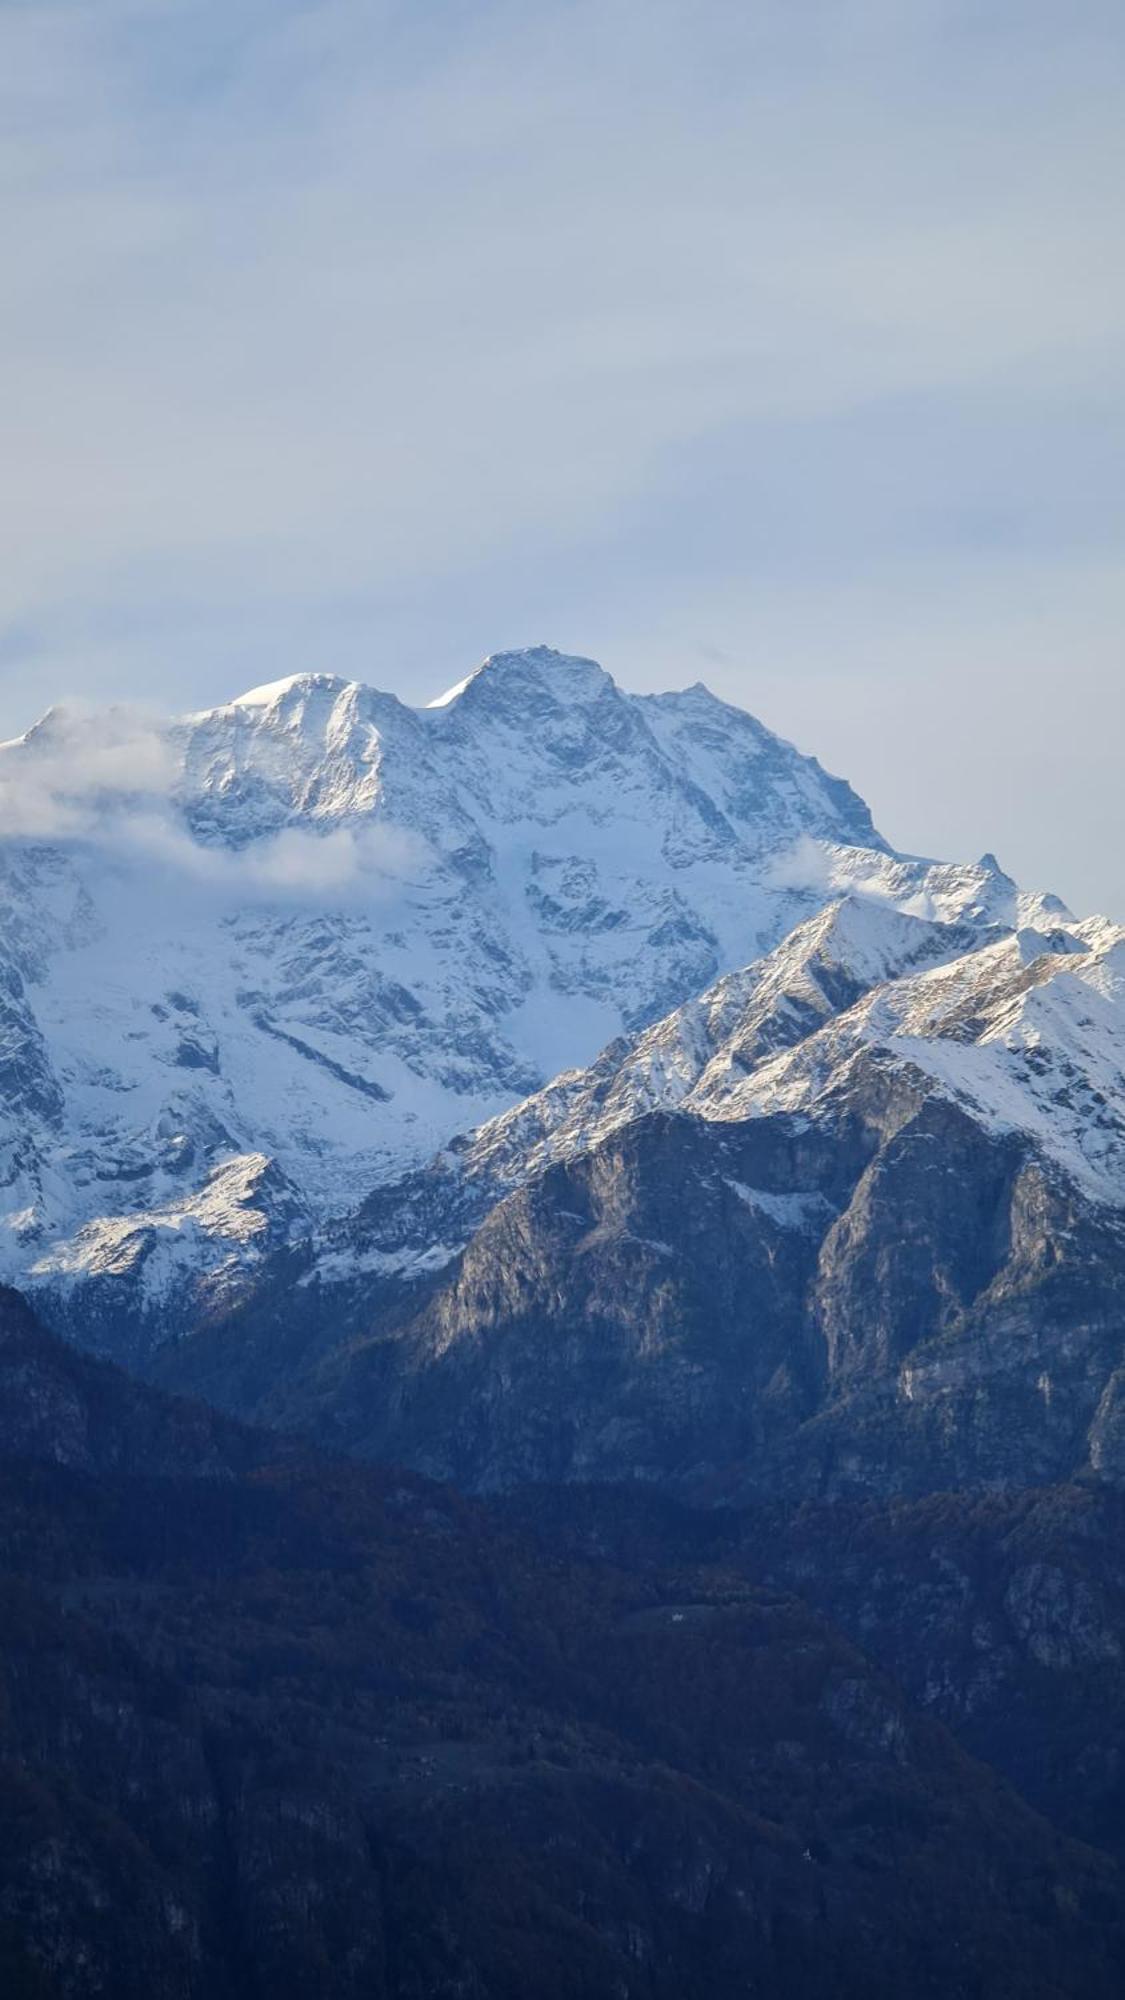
x,y
804,865
113,781
80,769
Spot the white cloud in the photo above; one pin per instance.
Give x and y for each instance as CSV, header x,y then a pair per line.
x,y
802,866
335,867
112,781
80,769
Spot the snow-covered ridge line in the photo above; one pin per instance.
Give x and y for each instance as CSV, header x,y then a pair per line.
x,y
1025,1029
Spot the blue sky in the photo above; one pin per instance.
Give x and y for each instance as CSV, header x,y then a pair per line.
x,y
781,346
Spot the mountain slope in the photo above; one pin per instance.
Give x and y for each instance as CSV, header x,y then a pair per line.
x,y
75,1411
1003,1614
308,1728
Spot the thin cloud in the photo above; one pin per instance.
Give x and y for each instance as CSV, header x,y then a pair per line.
x,y
112,781
804,865
80,769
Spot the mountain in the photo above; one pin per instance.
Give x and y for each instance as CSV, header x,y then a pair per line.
x,y
255,962
849,1221
298,1727
847,1216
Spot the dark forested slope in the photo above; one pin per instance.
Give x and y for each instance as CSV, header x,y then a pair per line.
x,y
304,1728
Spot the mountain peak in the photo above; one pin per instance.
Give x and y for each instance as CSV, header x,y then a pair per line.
x,y
566,677
696,696
272,694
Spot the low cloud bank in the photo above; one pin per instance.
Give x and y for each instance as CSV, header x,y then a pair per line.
x,y
113,780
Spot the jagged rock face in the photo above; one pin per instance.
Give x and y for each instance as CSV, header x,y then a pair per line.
x,y
635,1310
751,1308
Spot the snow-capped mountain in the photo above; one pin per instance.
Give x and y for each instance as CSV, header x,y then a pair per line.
x,y
259,957
257,960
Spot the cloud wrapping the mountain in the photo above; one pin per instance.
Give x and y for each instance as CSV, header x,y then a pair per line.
x,y
78,769
112,780
802,866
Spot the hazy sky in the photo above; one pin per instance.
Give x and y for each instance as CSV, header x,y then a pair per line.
x,y
779,346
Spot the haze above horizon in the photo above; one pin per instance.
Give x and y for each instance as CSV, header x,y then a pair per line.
x,y
779,348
